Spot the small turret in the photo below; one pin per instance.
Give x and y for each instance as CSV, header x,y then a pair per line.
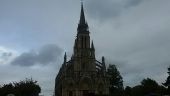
x,y
65,58
92,45
103,63
103,60
92,50
75,43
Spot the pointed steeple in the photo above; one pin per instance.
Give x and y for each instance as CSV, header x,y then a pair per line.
x,y
103,60
103,63
92,50
75,43
169,70
65,57
82,26
92,45
82,17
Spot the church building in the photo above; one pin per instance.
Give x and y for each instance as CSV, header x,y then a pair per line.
x,y
82,75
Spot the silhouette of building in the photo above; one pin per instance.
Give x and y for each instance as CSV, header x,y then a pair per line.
x,y
82,75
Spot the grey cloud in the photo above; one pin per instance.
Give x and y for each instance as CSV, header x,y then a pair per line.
x,y
131,3
107,9
49,54
5,55
140,45
25,59
46,55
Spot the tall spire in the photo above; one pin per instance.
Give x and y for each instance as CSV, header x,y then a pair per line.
x,y
82,26
92,45
82,17
65,57
92,50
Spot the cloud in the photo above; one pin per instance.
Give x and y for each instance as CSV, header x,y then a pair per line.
x,y
46,55
131,3
108,9
137,41
6,55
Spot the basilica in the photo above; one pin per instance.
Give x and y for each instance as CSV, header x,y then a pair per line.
x,y
82,75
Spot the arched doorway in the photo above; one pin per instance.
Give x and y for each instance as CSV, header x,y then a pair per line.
x,y
86,86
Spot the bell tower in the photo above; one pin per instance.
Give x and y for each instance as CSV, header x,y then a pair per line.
x,y
84,54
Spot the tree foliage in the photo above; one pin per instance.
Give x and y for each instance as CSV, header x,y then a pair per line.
x,y
167,83
128,91
137,91
26,87
147,87
116,81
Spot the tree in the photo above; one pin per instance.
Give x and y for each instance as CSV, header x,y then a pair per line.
x,y
116,81
6,89
167,83
149,86
128,91
137,91
26,87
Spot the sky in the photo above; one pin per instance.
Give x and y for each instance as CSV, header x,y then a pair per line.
x,y
132,34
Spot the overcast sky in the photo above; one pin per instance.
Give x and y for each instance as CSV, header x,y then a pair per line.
x,y
133,34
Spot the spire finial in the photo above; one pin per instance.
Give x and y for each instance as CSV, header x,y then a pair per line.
x,y
65,57
103,63
81,2
103,60
92,45
82,17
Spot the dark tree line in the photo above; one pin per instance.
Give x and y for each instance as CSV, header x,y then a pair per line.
x,y
147,87
26,87
167,83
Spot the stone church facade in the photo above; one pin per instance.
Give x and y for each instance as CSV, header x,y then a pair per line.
x,y
82,75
